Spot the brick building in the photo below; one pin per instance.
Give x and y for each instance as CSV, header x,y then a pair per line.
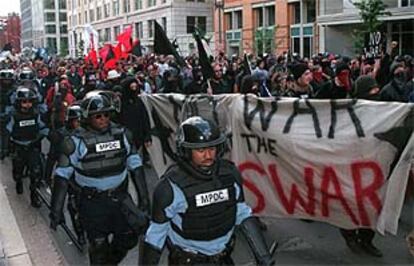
x,y
267,26
10,31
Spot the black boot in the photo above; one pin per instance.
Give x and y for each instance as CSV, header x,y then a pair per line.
x,y
351,239
370,249
34,199
19,187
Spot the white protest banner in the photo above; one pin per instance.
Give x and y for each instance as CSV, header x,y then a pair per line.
x,y
344,162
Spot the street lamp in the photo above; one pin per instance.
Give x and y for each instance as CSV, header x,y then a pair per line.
x,y
219,4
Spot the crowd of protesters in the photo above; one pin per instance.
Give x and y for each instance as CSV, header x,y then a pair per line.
x,y
61,82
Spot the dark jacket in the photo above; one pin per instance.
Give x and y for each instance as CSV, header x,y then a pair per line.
x,y
134,117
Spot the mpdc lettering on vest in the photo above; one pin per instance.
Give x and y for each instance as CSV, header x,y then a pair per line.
x,y
26,123
108,146
212,197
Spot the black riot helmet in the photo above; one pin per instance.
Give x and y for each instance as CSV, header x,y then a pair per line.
x,y
26,74
112,96
7,74
197,132
25,94
94,104
73,112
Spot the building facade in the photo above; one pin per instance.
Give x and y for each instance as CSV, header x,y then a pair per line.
x,y
269,26
44,24
10,31
110,17
339,18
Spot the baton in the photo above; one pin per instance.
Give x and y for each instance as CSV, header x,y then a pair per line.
x,y
69,233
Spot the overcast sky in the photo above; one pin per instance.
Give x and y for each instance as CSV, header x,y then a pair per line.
x,y
8,6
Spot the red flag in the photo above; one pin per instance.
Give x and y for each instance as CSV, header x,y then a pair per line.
x,y
93,58
120,52
103,52
125,39
108,56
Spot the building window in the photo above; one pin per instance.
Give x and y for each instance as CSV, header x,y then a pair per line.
x,y
139,30
270,15
91,15
164,24
107,34
150,28
70,21
234,20
50,17
310,11
62,4
199,22
79,18
238,17
50,29
115,8
151,3
117,31
64,29
107,10
49,4
62,17
258,12
406,3
86,16
138,4
296,13
127,6
99,13
51,45
100,37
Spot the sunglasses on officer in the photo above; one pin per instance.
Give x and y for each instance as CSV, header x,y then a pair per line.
x,y
100,116
26,101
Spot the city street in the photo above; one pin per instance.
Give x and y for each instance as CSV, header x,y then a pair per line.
x,y
299,242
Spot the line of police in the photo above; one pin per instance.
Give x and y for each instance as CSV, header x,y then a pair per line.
x,y
197,204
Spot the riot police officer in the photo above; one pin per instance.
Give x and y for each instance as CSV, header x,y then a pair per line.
x,y
26,130
100,155
199,202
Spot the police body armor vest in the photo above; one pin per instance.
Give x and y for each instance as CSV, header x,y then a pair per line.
x,y
106,153
212,204
26,126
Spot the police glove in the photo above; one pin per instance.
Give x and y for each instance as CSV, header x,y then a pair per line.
x,y
251,230
138,178
148,254
60,188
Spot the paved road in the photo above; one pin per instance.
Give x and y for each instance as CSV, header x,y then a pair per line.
x,y
300,243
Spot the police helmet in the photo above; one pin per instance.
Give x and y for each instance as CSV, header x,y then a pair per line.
x,y
7,74
73,112
24,93
112,96
26,74
94,104
197,132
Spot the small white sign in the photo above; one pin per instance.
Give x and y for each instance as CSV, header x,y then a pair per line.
x,y
108,146
212,197
26,123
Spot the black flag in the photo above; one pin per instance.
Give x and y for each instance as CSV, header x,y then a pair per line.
x,y
162,44
136,48
246,65
205,62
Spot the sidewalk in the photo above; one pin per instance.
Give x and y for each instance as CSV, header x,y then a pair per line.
x,y
13,250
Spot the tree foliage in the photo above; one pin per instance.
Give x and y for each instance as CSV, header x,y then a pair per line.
x,y
369,11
